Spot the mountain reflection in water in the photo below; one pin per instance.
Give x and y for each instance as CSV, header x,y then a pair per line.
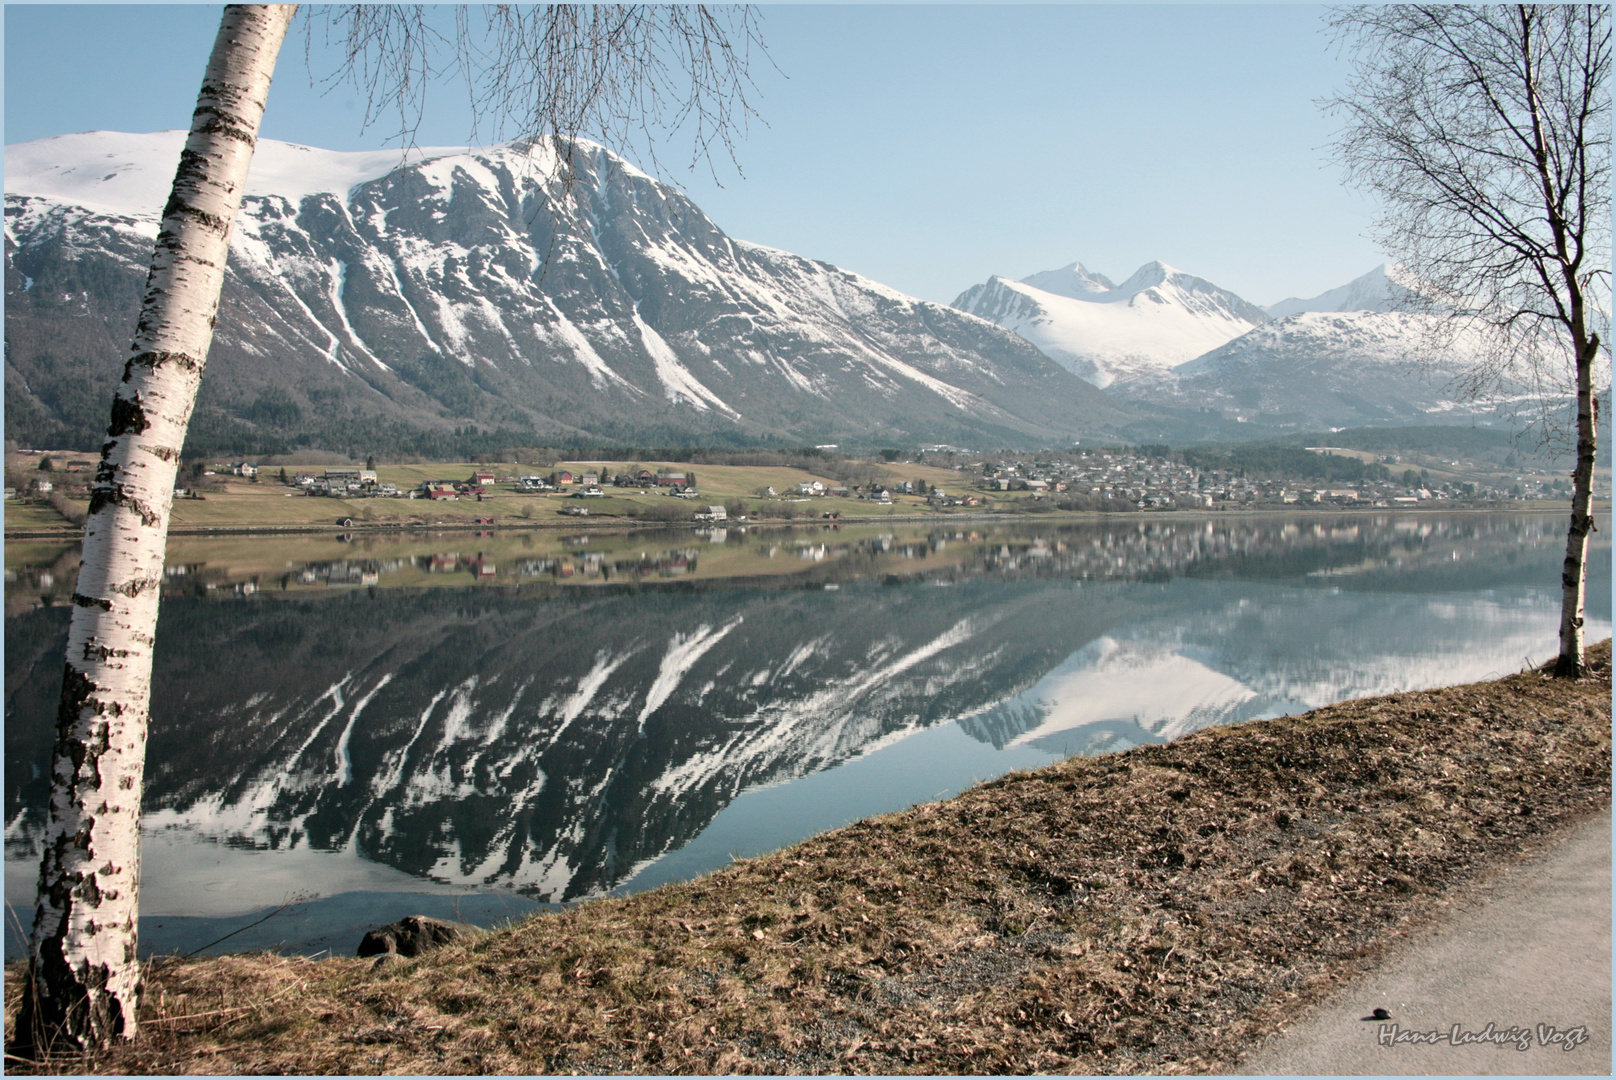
x,y
560,741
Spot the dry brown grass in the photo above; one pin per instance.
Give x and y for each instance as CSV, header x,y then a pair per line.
x,y
1153,911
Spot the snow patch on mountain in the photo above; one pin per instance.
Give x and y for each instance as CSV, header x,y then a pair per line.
x,y
1075,281
393,767
677,381
588,686
344,762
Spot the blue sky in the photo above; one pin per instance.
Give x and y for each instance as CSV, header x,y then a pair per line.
x,y
925,146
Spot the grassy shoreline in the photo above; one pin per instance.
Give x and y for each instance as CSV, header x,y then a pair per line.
x,y
1157,910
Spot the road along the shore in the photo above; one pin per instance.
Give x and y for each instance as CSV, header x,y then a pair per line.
x,y
1514,979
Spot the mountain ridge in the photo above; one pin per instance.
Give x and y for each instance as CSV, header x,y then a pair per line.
x,y
483,291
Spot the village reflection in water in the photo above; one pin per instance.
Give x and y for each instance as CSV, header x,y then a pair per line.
x,y
385,723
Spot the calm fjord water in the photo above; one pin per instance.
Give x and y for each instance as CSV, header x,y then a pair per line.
x,y
473,725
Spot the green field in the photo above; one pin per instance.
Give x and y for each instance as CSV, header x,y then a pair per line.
x,y
37,515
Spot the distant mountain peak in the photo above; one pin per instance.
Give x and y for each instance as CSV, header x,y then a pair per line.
x,y
1148,275
1387,287
1075,280
1158,318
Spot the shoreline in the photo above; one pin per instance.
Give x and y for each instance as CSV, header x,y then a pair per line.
x,y
69,532
1158,910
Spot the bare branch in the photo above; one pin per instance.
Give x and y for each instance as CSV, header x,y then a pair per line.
x,y
1483,131
628,76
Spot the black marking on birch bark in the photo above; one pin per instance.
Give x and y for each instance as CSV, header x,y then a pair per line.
x,y
106,472
76,690
85,1016
156,358
103,497
114,495
82,750
177,252
135,586
193,167
212,222
223,123
90,890
128,418
90,601
163,453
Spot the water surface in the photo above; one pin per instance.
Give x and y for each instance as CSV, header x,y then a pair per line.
x,y
474,725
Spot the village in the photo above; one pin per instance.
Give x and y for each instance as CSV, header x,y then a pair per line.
x,y
50,490
1146,481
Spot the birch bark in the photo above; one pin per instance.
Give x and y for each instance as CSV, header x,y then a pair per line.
x,y
84,974
1574,574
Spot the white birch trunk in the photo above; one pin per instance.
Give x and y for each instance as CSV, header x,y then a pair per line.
x,y
85,975
1574,574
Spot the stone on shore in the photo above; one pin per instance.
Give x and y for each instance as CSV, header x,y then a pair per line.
x,y
414,935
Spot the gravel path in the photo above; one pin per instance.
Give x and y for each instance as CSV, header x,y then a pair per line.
x,y
1524,953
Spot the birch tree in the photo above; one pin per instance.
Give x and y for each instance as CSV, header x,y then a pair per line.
x,y
1484,132
564,70
84,978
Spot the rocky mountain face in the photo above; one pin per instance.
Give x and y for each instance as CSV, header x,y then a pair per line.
x,y
1157,319
499,294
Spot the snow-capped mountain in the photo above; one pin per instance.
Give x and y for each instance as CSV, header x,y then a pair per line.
x,y
1157,319
1385,288
473,290
1354,356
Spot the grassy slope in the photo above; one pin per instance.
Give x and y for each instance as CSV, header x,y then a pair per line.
x,y
1153,911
